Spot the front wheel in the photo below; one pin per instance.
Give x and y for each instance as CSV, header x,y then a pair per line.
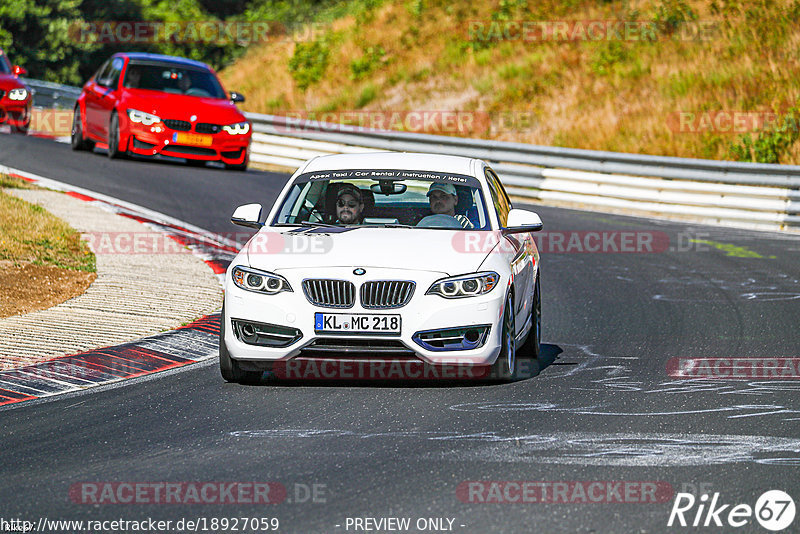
x,y
505,365
113,139
237,166
533,344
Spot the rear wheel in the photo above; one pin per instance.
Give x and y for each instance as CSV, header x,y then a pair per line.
x,y
229,368
79,142
505,365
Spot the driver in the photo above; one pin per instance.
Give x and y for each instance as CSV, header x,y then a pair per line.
x,y
443,199
349,205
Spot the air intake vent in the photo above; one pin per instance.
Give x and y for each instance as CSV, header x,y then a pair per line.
x,y
330,293
181,126
385,294
207,128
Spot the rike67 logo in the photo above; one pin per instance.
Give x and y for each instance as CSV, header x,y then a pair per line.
x,y
774,510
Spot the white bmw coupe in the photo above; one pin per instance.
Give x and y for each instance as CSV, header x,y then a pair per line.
x,y
384,265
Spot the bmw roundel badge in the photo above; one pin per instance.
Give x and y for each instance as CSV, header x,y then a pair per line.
x,y
359,271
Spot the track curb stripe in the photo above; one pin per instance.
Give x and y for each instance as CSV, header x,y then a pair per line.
x,y
183,346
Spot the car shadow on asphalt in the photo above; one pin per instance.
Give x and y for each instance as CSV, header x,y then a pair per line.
x,y
384,375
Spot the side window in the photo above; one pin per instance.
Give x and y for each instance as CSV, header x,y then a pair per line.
x,y
98,76
499,197
111,78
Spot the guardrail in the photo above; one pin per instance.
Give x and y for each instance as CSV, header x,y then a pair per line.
x,y
742,194
52,95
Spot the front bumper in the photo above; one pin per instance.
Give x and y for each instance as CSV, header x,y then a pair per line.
x,y
160,140
15,112
422,314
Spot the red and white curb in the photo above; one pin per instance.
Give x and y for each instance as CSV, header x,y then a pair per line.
x,y
195,342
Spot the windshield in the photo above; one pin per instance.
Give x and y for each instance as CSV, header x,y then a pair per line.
x,y
5,66
172,78
385,198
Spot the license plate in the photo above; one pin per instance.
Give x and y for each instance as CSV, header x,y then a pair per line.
x,y
191,139
357,323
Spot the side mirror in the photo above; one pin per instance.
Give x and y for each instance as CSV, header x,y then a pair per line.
x,y
247,215
237,97
522,221
18,71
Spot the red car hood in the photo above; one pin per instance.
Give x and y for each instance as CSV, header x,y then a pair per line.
x,y
182,107
9,81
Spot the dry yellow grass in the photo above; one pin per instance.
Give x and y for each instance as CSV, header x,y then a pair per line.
x,y
615,94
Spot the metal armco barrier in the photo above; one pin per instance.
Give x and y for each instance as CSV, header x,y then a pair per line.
x,y
742,194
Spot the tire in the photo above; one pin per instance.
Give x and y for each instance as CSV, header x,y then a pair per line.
x,y
504,367
228,367
532,347
20,129
77,140
113,139
241,167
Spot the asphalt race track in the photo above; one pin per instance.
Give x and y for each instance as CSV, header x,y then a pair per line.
x,y
603,408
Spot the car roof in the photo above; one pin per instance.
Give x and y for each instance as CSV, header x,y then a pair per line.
x,y
143,56
394,160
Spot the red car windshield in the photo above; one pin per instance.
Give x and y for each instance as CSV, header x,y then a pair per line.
x,y
5,66
172,78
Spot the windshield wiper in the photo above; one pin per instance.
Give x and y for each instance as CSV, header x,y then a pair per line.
x,y
397,225
312,224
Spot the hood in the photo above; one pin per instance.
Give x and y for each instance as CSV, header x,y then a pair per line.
x,y
182,107
394,248
9,81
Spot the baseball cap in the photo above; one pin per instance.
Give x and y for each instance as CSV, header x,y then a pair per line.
x,y
450,189
350,190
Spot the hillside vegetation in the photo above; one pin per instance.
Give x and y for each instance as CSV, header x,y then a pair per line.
x,y
716,79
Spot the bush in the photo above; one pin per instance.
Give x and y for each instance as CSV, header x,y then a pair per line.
x,y
308,63
372,58
770,145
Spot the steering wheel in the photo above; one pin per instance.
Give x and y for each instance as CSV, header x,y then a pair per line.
x,y
439,221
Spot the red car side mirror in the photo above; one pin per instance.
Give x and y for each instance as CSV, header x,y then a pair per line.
x,y
19,71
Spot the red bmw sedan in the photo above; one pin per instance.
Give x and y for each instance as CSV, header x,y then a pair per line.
x,y
149,104
15,96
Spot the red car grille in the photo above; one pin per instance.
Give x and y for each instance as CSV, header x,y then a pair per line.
x,y
181,126
207,128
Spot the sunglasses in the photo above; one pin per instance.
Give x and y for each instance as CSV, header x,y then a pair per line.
x,y
342,203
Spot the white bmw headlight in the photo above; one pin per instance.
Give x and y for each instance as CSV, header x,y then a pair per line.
x,y
469,285
145,118
240,128
18,94
259,281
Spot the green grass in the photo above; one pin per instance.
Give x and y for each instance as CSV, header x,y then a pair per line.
x,y
30,234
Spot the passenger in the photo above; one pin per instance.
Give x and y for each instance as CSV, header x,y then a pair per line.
x,y
443,199
349,205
